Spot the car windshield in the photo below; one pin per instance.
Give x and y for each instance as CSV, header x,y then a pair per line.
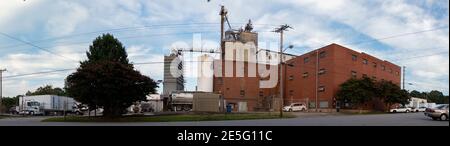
x,y
441,106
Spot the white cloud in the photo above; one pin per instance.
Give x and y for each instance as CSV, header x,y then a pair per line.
x,y
66,23
313,21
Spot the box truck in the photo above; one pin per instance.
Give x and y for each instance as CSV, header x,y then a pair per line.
x,y
46,105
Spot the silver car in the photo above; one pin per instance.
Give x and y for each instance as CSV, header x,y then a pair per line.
x,y
440,112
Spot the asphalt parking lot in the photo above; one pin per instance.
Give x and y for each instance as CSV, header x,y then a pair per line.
x,y
302,119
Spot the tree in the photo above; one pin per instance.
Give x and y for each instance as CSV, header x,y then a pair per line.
x,y
391,93
8,102
356,91
47,90
107,79
416,93
436,96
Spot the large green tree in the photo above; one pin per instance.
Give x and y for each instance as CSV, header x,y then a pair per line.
x,y
9,102
436,96
391,93
47,90
107,79
356,91
416,93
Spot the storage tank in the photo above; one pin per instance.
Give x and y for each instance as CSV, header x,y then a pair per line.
x,y
205,74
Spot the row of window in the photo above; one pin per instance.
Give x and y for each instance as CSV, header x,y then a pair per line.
x,y
374,64
322,54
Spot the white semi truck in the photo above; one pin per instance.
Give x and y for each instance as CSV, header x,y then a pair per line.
x,y
46,105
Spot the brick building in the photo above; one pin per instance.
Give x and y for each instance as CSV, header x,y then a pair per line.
x,y
312,78
305,79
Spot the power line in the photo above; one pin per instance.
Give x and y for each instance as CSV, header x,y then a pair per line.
x,y
414,57
38,73
11,37
131,37
122,29
388,37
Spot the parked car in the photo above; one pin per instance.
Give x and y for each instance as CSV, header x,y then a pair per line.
x,y
13,110
400,109
295,107
419,109
440,112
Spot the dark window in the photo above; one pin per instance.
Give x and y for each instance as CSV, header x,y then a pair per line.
x,y
374,78
306,60
354,57
390,70
397,73
321,89
322,54
364,75
220,80
353,74
242,92
365,61
291,92
374,64
322,71
305,75
291,78
383,67
261,93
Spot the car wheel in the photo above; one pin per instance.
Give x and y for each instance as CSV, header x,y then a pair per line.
x,y
31,113
407,111
394,111
290,110
303,109
417,110
443,117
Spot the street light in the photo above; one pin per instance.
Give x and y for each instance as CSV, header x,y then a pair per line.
x,y
282,77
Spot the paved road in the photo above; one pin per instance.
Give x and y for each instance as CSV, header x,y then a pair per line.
x,y
400,119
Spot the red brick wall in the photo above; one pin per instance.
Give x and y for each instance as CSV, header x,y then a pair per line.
x,y
337,63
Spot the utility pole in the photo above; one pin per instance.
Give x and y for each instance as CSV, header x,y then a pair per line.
x,y
223,14
1,92
404,69
317,80
281,30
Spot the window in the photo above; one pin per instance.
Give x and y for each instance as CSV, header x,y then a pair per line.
x,y
242,92
397,73
321,88
354,57
312,104
291,92
261,93
383,67
291,78
374,64
364,75
322,54
390,70
374,78
220,80
365,61
305,75
306,60
322,71
353,74
323,104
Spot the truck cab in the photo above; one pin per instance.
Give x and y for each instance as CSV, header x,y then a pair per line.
x,y
31,108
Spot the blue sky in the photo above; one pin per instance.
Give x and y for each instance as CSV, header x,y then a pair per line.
x,y
68,27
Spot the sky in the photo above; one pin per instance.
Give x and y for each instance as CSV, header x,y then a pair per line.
x,y
47,35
